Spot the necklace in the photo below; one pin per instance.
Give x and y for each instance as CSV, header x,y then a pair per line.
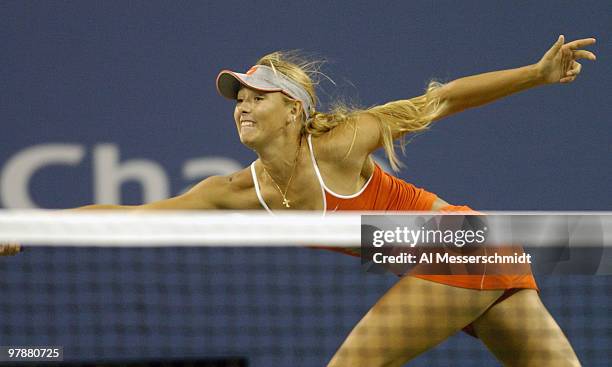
x,y
284,194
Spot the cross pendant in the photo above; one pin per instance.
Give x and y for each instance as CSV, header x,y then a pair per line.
x,y
286,203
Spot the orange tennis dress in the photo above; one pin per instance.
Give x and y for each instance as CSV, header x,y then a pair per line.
x,y
383,192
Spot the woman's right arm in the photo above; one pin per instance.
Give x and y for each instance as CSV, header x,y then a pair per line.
x,y
205,195
208,194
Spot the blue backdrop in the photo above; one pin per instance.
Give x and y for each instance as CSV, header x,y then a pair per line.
x,y
115,101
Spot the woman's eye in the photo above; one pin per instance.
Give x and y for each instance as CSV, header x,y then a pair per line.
x,y
259,98
238,100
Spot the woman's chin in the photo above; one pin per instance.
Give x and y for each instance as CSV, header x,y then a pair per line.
x,y
248,140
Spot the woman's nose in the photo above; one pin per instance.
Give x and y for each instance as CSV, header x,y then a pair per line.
x,y
245,107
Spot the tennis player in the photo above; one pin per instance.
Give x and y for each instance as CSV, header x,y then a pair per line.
x,y
310,160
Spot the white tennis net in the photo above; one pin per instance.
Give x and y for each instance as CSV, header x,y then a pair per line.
x,y
258,228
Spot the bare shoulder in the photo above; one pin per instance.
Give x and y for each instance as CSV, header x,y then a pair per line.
x,y
354,139
233,191
240,180
233,182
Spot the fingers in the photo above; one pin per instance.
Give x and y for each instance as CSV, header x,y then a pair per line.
x,y
566,59
574,46
583,54
575,70
571,74
10,249
581,43
556,47
568,79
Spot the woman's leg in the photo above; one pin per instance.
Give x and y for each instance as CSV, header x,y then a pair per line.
x,y
520,332
413,316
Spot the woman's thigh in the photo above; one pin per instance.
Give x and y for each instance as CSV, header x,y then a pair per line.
x,y
413,316
520,332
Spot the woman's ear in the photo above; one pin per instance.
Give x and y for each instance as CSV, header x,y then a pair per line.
x,y
296,110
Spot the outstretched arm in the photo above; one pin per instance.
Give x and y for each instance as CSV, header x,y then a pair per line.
x,y
380,125
205,195
558,65
202,196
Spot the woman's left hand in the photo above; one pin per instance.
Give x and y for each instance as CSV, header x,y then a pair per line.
x,y
9,249
559,65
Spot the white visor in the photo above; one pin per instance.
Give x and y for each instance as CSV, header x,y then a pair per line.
x,y
265,79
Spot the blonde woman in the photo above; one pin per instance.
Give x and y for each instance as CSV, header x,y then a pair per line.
x,y
310,160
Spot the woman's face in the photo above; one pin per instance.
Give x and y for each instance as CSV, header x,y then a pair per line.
x,y
260,116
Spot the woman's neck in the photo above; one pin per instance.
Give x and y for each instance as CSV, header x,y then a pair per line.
x,y
279,157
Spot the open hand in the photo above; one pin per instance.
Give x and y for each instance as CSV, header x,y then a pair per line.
x,y
559,65
9,249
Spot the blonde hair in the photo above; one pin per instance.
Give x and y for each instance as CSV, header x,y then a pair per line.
x,y
403,116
